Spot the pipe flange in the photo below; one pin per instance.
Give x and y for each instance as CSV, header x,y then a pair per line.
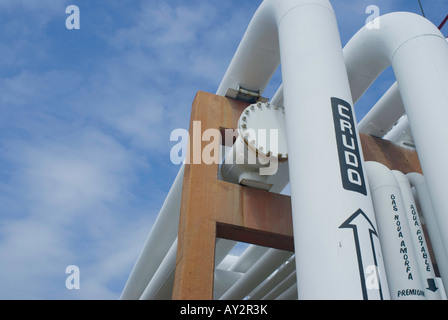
x,y
262,127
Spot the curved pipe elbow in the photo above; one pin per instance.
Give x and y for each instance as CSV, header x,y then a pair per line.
x,y
370,51
258,55
379,176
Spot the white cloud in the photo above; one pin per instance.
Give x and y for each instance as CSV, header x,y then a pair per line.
x,y
77,207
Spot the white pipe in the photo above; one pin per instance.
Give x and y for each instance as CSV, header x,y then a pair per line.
x,y
247,259
289,294
424,262
162,235
277,99
401,134
403,277
384,114
270,283
325,159
418,181
222,249
281,287
256,274
165,270
223,280
418,53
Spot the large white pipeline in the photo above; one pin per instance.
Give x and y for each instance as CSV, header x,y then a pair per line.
x,y
247,259
417,180
289,294
424,262
164,273
401,133
418,53
403,277
322,140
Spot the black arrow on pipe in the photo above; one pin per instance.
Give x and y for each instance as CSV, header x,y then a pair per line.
x,y
355,222
432,285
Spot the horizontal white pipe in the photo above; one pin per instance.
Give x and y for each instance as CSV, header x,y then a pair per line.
x,y
161,237
277,99
228,261
289,294
223,280
256,274
284,271
247,259
281,287
417,180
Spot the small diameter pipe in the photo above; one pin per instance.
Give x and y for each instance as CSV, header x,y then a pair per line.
x,y
384,114
254,276
163,273
424,262
403,277
161,237
417,180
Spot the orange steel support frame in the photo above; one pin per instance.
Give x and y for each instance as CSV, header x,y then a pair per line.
x,y
213,209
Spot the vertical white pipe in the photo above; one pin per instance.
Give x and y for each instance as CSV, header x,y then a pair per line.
x,y
331,205
281,287
222,249
424,262
403,277
417,180
247,259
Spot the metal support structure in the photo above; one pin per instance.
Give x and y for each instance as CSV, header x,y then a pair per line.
x,y
216,209
331,204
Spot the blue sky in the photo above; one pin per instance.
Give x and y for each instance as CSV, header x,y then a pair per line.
x,y
86,117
